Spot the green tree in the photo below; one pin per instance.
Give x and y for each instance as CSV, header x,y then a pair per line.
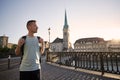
x,y
12,50
4,52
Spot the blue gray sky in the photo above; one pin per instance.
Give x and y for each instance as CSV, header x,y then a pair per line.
x,y
86,18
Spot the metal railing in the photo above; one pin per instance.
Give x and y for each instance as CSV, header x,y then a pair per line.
x,y
97,61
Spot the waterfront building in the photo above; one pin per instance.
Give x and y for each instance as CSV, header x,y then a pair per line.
x,y
113,45
92,44
3,41
96,44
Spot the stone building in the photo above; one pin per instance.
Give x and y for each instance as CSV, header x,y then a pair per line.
x,y
57,45
95,44
10,45
113,45
3,41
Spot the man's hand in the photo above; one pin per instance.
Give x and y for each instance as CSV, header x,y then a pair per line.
x,y
42,45
21,42
41,40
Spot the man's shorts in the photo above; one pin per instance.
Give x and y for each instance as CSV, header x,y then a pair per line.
x,y
30,75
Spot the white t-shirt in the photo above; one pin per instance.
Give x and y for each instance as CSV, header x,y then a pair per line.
x,y
31,57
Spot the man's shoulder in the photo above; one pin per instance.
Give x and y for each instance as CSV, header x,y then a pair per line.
x,y
24,37
38,37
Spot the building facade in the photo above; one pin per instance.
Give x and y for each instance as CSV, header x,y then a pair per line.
x,y
3,41
96,44
113,45
57,45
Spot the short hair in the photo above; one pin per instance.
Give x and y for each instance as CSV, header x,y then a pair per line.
x,y
29,22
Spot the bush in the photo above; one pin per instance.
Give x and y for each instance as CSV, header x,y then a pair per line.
x,y
5,49
4,52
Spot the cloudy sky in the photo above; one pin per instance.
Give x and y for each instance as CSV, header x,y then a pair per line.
x,y
86,18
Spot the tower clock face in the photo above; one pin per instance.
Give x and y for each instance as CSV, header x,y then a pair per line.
x,y
65,33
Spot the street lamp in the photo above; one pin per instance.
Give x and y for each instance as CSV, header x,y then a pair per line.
x,y
49,36
48,55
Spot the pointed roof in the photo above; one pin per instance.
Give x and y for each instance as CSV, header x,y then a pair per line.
x,y
65,22
58,40
91,39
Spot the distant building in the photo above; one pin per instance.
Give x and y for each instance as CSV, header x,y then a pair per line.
x,y
10,45
62,44
57,45
95,44
113,46
3,41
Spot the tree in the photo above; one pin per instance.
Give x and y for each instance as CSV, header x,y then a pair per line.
x,y
4,52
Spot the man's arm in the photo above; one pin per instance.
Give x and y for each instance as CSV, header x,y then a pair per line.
x,y
42,48
18,48
42,45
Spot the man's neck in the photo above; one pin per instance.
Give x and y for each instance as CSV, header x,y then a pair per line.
x,y
31,34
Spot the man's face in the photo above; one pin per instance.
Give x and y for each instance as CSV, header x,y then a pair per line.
x,y
33,27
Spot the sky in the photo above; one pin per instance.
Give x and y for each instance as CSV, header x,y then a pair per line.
x,y
86,18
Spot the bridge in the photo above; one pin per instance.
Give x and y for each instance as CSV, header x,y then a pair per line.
x,y
97,61
63,67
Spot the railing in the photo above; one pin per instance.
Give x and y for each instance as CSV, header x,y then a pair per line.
x,y
97,61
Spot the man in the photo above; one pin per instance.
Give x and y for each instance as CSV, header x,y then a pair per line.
x,y
30,64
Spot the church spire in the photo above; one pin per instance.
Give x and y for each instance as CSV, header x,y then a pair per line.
x,y
65,23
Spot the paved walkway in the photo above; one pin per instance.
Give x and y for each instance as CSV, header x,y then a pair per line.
x,y
52,72
11,74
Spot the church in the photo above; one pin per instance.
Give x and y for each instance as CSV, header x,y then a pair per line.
x,y
64,44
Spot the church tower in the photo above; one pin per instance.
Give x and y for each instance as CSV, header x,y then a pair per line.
x,y
66,42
